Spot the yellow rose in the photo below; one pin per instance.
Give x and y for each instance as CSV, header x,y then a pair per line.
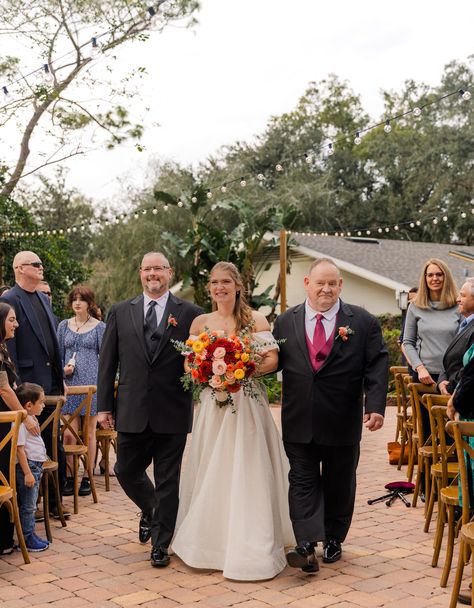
x,y
237,354
198,346
239,374
189,342
245,357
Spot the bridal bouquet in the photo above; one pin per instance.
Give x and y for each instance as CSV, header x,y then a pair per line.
x,y
224,364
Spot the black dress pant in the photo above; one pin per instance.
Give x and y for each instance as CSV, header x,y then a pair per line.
x,y
322,490
135,453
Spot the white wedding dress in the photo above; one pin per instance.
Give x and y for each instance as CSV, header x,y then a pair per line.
x,y
233,511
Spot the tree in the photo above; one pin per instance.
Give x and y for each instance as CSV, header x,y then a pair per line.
x,y
56,29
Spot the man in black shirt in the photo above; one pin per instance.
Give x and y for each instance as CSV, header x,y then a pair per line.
x,y
35,348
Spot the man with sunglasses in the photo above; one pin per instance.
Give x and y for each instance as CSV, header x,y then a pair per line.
x,y
35,349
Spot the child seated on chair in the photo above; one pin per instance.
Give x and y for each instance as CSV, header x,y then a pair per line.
x,y
31,453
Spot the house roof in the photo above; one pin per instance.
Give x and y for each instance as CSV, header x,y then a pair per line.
x,y
394,263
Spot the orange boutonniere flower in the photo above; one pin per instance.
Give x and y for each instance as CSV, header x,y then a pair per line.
x,y
172,322
344,332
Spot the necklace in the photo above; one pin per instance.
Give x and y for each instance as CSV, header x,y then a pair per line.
x,y
78,327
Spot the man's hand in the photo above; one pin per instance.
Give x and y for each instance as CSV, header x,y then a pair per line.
x,y
373,422
443,387
106,420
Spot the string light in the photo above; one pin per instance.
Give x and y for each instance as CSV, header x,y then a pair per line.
x,y
165,207
224,188
180,203
308,158
357,139
388,127
260,177
194,199
279,168
47,76
243,182
416,111
209,194
330,149
154,210
466,95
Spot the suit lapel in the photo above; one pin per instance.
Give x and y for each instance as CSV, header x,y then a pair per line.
x,y
173,308
32,318
299,329
462,335
138,322
343,319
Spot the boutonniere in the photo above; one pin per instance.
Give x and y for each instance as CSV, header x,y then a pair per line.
x,y
344,333
172,322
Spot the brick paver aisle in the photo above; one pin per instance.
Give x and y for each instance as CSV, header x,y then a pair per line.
x,y
97,560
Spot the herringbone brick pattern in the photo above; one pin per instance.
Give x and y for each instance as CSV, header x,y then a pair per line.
x,y
97,560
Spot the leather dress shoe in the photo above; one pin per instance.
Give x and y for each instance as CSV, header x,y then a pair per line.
x,y
144,528
465,596
304,557
332,551
159,557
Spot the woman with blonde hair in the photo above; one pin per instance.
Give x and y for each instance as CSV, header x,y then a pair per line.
x,y
432,321
233,508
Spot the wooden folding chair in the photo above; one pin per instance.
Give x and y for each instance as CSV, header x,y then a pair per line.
x,y
8,495
106,438
460,431
395,370
51,466
404,416
444,473
422,450
79,450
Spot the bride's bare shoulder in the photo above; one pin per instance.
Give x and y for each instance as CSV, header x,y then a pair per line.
x,y
260,321
200,323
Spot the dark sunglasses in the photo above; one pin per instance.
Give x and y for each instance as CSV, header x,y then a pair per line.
x,y
35,264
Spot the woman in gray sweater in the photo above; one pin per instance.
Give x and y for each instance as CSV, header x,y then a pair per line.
x,y
432,321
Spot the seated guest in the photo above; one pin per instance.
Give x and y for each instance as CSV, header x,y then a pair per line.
x,y
453,357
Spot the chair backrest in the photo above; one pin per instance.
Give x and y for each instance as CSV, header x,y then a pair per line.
x,y
394,370
416,390
442,452
11,438
459,430
82,436
56,401
401,390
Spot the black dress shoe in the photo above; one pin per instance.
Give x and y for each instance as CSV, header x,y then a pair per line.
x,y
144,528
159,557
68,489
332,551
304,557
85,487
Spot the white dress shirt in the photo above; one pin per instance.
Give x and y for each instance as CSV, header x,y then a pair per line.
x,y
159,308
328,320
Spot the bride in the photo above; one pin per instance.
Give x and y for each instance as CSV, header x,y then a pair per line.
x,y
233,510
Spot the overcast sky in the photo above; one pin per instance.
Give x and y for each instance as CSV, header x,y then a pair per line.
x,y
247,60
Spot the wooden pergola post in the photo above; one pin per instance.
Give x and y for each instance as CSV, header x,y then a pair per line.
x,y
283,266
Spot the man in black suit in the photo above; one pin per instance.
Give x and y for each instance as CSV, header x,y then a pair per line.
x,y
151,411
335,374
35,349
452,360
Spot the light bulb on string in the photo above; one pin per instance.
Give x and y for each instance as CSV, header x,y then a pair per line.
x,y
359,233
445,218
95,50
357,139
435,220
154,210
466,95
165,207
463,215
416,111
412,224
418,223
260,177
180,203
388,127
380,230
367,232
224,188
209,194
243,183
308,159
395,227
279,168
387,229
47,76
153,16
330,149
194,199
349,233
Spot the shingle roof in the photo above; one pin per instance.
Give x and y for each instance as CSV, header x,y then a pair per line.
x,y
397,260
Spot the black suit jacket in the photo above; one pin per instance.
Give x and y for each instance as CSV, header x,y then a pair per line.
x,y
327,406
452,360
28,348
149,390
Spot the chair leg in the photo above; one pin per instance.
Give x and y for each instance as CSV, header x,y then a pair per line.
x,y
76,485
449,547
45,490
419,469
431,501
457,580
438,539
19,530
59,504
88,467
411,459
403,438
106,457
428,482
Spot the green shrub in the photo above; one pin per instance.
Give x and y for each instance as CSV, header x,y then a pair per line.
x,y
273,388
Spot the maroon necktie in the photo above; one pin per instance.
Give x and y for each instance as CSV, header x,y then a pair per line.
x,y
319,336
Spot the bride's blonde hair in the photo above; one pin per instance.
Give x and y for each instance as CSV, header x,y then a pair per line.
x,y
242,312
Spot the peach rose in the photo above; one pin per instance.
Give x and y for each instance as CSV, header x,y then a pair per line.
x,y
219,367
215,382
219,353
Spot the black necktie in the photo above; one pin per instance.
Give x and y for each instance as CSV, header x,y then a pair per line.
x,y
151,340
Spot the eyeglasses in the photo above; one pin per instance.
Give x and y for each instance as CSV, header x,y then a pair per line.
x,y
35,264
48,293
432,275
154,268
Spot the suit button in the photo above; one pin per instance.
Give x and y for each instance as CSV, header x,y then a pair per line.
x,y
48,364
